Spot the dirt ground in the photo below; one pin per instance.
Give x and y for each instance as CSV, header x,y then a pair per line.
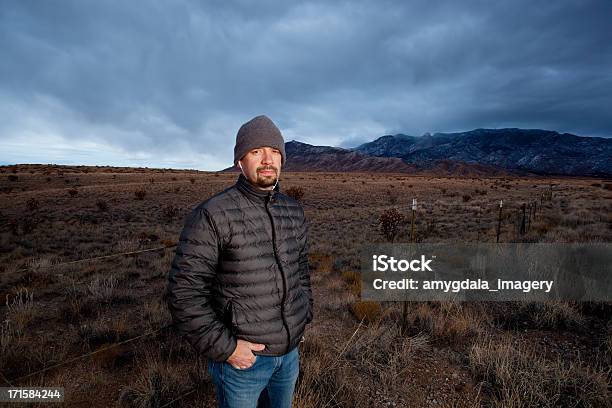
x,y
98,327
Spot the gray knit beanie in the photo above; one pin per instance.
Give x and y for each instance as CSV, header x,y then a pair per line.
x,y
258,132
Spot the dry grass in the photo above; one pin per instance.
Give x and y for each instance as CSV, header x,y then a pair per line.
x,y
20,308
521,378
353,280
320,382
367,311
88,306
446,322
322,263
103,288
159,380
542,315
385,354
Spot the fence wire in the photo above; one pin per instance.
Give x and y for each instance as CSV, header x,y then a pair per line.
x,y
96,258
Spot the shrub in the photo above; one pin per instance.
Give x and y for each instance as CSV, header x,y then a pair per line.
x,y
32,204
73,192
168,243
140,194
390,221
295,192
446,322
157,384
321,262
102,205
392,196
466,198
145,238
20,309
170,212
552,315
27,224
353,280
366,310
13,177
103,288
350,276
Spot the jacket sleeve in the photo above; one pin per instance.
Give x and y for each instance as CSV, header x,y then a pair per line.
x,y
304,268
190,282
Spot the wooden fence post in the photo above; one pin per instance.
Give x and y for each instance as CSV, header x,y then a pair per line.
x,y
517,223
414,206
528,218
523,208
499,218
412,239
550,192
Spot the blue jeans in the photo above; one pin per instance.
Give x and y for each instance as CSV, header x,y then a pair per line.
x,y
269,382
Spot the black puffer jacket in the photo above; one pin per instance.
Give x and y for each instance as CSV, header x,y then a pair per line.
x,y
241,271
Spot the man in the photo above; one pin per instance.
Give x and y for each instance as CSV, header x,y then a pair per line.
x,y
239,286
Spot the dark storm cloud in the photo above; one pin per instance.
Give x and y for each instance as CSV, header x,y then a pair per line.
x,y
169,84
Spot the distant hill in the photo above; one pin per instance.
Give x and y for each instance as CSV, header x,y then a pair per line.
x,y
531,150
480,152
306,157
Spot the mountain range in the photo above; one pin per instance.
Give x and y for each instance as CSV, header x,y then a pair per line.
x,y
479,152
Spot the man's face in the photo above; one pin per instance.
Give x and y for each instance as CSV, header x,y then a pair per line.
x,y
261,166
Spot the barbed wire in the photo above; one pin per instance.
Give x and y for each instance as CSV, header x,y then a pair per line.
x,y
180,397
5,380
96,258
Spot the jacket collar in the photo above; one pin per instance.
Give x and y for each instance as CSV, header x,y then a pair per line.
x,y
253,192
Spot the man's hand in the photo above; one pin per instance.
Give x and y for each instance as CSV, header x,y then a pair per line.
x,y
242,357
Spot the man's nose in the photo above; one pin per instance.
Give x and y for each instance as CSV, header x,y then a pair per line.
x,y
266,158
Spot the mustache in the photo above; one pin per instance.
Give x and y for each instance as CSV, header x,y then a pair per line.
x,y
267,168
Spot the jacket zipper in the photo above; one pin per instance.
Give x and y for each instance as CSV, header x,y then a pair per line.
x,y
282,272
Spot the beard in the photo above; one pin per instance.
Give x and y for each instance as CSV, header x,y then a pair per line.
x,y
264,180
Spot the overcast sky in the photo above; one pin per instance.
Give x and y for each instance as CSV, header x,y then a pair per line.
x,y
168,83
